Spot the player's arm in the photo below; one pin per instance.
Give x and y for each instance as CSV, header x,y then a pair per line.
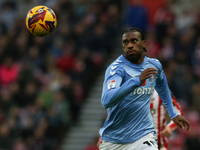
x,y
166,131
177,107
113,89
99,141
171,126
118,91
164,93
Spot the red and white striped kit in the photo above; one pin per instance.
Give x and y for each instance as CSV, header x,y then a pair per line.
x,y
158,112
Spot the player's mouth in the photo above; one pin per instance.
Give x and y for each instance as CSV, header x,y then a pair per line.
x,y
130,52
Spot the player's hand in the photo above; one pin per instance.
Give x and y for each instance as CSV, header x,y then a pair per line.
x,y
167,131
147,74
99,142
181,122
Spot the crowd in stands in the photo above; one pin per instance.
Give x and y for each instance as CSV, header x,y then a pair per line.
x,y
45,80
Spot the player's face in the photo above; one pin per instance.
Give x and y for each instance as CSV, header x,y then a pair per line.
x,y
133,47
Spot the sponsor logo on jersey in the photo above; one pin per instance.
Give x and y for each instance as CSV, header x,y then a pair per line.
x,y
111,84
143,90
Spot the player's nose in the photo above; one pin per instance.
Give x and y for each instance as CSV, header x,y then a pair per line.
x,y
130,45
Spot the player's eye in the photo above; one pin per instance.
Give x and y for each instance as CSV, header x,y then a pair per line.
x,y
125,42
133,40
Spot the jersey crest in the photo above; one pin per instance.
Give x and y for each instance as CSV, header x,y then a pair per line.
x,y
152,78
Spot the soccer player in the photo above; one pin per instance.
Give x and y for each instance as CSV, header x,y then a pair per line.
x,y
127,89
158,111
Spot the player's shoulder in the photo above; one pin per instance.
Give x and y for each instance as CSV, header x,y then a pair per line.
x,y
116,65
154,62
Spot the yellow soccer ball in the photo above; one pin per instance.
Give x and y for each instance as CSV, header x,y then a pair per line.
x,y
41,21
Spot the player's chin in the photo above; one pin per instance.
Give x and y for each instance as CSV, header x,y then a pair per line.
x,y
132,56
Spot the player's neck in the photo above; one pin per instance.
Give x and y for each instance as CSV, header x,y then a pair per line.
x,y
140,61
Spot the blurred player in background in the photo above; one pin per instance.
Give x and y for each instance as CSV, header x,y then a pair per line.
x,y
159,114
127,89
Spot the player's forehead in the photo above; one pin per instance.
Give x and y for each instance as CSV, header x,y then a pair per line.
x,y
131,35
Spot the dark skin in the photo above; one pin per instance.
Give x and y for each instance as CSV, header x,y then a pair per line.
x,y
133,45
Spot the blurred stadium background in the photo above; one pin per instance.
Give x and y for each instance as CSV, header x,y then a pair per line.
x,y
50,87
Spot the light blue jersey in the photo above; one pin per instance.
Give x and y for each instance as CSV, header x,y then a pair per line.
x,y
128,102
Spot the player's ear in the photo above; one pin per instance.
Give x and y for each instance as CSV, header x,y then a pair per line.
x,y
143,43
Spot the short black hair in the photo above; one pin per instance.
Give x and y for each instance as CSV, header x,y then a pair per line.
x,y
137,30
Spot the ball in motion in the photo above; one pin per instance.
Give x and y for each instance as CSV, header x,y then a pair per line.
x,y
41,21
